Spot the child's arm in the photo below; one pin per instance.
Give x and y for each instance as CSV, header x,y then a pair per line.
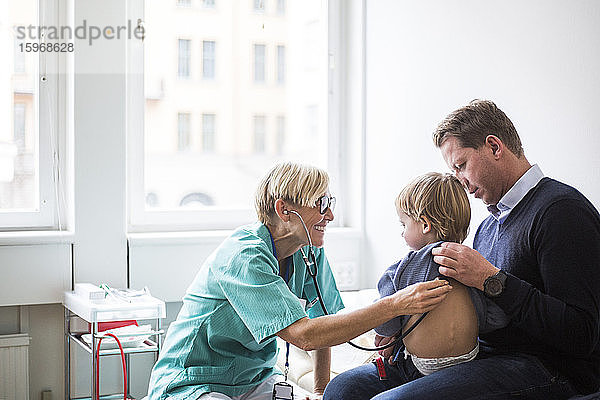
x,y
386,287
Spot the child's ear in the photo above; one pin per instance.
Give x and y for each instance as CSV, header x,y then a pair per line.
x,y
426,224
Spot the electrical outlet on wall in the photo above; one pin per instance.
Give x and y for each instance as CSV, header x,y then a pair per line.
x,y
346,275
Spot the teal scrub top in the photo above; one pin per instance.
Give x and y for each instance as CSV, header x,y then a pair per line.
x,y
224,337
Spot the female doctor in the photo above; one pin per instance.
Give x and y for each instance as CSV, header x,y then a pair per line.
x,y
256,286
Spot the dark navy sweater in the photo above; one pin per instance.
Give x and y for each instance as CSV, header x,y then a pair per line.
x,y
550,247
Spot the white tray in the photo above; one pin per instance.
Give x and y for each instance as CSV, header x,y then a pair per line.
x,y
126,341
109,309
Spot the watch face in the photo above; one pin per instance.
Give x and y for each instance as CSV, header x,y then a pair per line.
x,y
493,287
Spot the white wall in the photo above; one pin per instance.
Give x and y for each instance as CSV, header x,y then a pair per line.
x,y
538,60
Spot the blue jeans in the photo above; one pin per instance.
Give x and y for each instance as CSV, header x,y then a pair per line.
x,y
487,377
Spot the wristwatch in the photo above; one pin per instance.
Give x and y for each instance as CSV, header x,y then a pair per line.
x,y
494,285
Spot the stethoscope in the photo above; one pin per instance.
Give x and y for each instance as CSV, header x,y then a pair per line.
x,y
311,260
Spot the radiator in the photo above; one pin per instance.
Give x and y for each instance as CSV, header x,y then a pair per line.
x,y
14,367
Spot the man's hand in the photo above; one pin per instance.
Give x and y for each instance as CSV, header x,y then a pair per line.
x,y
388,353
463,264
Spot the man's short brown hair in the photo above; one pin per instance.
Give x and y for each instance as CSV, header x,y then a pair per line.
x,y
472,123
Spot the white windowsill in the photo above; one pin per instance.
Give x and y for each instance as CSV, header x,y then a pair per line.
x,y
35,237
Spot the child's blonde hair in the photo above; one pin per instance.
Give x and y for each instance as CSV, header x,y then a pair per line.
x,y
443,200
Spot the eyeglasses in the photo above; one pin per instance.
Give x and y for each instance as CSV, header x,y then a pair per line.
x,y
325,202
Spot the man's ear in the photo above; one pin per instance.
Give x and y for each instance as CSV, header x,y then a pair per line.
x,y
426,224
281,209
495,145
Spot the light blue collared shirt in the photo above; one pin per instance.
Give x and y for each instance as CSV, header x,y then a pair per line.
x,y
516,193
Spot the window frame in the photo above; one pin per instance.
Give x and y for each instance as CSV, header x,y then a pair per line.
x,y
51,107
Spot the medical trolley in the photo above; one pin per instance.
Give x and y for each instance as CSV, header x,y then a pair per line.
x,y
85,320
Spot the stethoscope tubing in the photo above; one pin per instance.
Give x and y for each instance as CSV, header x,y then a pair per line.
x,y
313,274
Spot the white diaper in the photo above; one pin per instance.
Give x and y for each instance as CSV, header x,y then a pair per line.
x,y
427,366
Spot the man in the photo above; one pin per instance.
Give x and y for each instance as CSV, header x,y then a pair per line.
x,y
537,256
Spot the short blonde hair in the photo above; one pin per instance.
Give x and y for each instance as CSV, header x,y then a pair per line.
x,y
299,184
443,200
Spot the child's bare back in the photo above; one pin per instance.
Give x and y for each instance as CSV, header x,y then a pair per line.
x,y
449,330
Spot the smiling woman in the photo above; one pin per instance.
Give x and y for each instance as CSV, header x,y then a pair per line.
x,y
255,286
228,321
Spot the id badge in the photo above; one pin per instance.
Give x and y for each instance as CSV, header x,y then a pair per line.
x,y
283,391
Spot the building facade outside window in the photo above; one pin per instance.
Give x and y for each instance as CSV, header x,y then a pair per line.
x,y
184,58
223,140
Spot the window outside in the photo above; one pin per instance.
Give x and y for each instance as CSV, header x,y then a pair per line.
x,y
183,70
19,180
209,138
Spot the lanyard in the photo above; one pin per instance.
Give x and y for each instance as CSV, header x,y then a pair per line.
x,y
286,278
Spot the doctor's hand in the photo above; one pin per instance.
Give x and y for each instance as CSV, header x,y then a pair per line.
x,y
463,264
421,297
388,353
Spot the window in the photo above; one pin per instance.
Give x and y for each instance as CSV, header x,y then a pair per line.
x,y
242,128
184,3
19,127
312,121
28,122
280,7
183,131
152,200
259,63
260,133
258,5
20,62
183,70
280,64
23,179
280,139
208,59
208,132
208,3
